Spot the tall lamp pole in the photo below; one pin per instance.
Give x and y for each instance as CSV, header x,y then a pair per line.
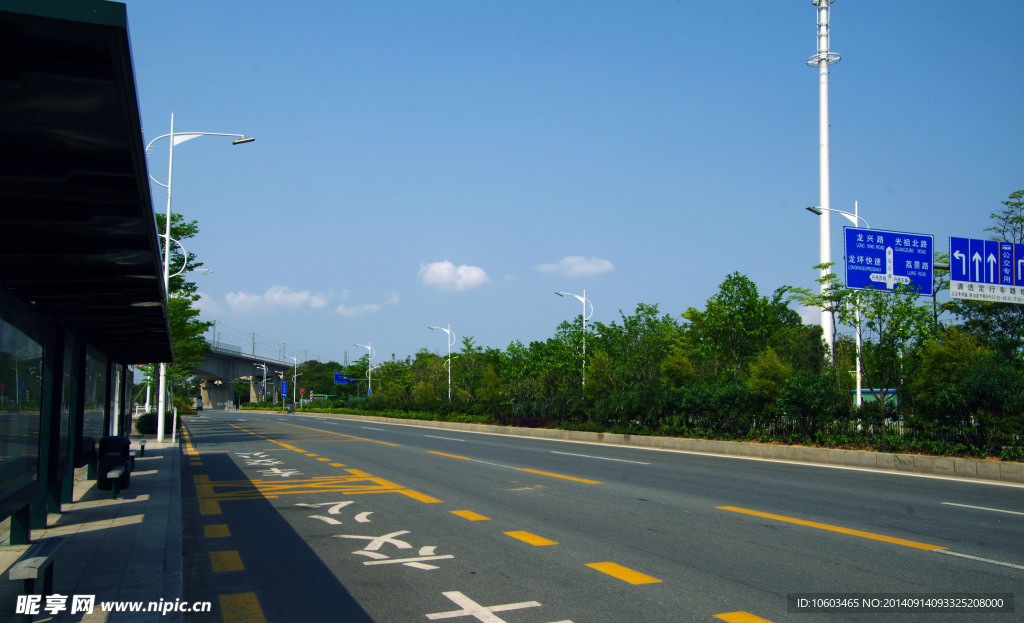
x,y
583,299
448,362
823,60
855,217
176,137
369,366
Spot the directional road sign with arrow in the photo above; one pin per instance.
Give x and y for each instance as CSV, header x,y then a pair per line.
x,y
881,259
986,270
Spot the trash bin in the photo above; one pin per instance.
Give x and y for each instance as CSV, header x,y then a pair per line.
x,y
114,452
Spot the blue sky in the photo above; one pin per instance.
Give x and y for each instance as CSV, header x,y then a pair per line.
x,y
427,163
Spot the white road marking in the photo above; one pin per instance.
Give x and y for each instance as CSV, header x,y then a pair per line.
x,y
602,458
448,438
980,559
983,508
472,609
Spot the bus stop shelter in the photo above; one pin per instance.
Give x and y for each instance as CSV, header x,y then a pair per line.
x,y
81,281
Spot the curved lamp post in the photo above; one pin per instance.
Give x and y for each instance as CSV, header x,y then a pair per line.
x,y
369,367
583,299
855,217
448,362
176,137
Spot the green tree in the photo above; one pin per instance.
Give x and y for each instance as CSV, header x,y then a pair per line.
x,y
187,342
736,325
945,360
768,374
895,325
638,345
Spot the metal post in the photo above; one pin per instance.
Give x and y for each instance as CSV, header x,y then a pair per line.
x,y
822,60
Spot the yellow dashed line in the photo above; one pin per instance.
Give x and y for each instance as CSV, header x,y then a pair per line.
x,y
451,456
337,465
740,617
241,608
532,539
227,560
831,528
216,531
623,573
471,516
573,478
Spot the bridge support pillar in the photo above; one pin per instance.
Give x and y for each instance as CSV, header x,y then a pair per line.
x,y
216,396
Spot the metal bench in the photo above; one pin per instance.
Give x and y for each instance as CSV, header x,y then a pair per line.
x,y
114,477
36,563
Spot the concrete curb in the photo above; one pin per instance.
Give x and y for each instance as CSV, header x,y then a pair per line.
x,y
953,467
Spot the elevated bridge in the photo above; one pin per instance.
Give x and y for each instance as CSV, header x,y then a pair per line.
x,y
226,363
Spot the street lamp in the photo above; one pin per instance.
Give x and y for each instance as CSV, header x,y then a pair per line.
x,y
448,362
263,387
823,59
827,244
583,299
176,137
369,368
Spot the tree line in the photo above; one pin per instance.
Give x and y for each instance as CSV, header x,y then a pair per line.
x,y
939,378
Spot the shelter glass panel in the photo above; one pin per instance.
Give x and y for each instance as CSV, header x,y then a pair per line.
x,y
21,359
96,386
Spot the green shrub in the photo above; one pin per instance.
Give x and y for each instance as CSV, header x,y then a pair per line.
x,y
146,423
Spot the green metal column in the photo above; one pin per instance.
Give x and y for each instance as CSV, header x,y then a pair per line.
x,y
75,426
47,497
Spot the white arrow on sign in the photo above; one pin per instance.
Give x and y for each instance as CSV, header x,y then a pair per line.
x,y
1020,271
992,261
963,261
889,278
976,258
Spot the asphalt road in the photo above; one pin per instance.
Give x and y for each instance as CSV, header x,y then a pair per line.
x,y
325,519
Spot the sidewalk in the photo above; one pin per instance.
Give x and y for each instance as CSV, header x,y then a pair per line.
x,y
119,550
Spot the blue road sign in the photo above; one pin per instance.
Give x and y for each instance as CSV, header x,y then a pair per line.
x,y
986,270
341,379
284,388
881,259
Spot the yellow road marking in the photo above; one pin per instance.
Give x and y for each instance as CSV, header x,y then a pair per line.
x,y
227,560
573,478
740,617
210,492
324,460
241,608
216,530
337,465
451,456
623,573
532,539
831,528
471,516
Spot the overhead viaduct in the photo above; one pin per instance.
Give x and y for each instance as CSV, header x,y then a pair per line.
x,y
224,364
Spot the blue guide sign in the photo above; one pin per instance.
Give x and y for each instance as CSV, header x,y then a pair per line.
x,y
881,260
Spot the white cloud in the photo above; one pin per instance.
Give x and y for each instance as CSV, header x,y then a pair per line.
x,y
366,308
208,306
357,310
446,276
275,296
578,266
